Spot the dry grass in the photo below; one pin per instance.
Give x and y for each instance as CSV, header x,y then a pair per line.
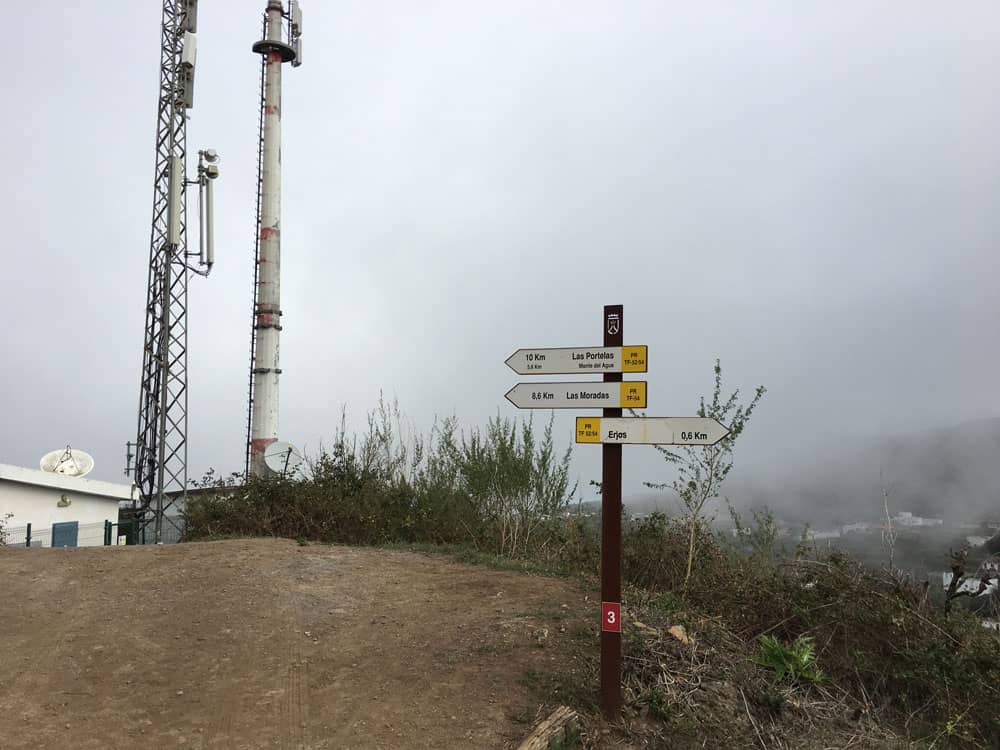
x,y
700,684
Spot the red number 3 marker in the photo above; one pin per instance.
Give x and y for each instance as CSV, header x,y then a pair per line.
x,y
611,617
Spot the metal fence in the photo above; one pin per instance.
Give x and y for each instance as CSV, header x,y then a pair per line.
x,y
87,535
24,536
170,533
90,535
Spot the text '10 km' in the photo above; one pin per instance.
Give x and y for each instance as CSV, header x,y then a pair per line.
x,y
595,360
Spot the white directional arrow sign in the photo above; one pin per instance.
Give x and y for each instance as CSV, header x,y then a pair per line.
x,y
626,395
650,430
585,361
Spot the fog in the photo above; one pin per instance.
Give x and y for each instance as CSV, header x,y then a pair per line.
x,y
807,192
949,474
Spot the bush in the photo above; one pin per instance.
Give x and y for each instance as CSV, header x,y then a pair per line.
x,y
823,636
4,520
795,661
655,557
825,617
502,489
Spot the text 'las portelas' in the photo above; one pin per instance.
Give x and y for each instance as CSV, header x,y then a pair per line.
x,y
578,360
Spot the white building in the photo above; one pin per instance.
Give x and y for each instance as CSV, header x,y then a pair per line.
x,y
905,518
817,536
969,584
42,498
855,528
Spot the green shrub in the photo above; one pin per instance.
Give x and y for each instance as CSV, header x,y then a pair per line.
x,y
659,705
655,555
795,661
503,489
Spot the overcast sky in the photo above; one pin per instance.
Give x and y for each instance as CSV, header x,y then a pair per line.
x,y
807,191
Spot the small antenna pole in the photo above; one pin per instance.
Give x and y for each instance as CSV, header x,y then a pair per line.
x,y
129,455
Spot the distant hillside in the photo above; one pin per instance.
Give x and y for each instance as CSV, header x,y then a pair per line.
x,y
953,472
950,471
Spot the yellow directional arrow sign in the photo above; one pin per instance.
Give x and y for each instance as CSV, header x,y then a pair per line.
x,y
650,430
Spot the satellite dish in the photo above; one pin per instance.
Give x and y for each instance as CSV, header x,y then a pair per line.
x,y
71,462
282,458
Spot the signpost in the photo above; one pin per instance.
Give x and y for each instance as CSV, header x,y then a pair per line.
x,y
651,430
630,395
611,431
582,361
611,542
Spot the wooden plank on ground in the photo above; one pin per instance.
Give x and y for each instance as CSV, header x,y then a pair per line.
x,y
554,726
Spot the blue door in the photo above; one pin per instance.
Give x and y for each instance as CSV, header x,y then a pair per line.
x,y
64,534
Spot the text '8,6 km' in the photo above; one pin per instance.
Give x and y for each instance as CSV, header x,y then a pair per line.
x,y
628,395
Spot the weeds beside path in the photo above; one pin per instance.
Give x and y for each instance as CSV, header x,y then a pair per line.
x,y
857,642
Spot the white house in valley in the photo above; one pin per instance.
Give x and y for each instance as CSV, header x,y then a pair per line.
x,y
44,498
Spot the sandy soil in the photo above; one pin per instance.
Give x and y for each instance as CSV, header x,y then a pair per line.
x,y
267,644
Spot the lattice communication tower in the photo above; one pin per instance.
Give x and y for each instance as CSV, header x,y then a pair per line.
x,y
160,469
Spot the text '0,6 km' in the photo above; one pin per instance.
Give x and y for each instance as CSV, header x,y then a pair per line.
x,y
627,395
650,430
581,361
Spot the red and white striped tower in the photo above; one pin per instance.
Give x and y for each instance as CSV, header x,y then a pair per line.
x,y
267,307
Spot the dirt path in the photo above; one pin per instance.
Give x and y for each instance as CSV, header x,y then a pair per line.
x,y
266,644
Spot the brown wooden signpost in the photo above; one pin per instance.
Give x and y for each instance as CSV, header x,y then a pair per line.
x,y
611,430
611,543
